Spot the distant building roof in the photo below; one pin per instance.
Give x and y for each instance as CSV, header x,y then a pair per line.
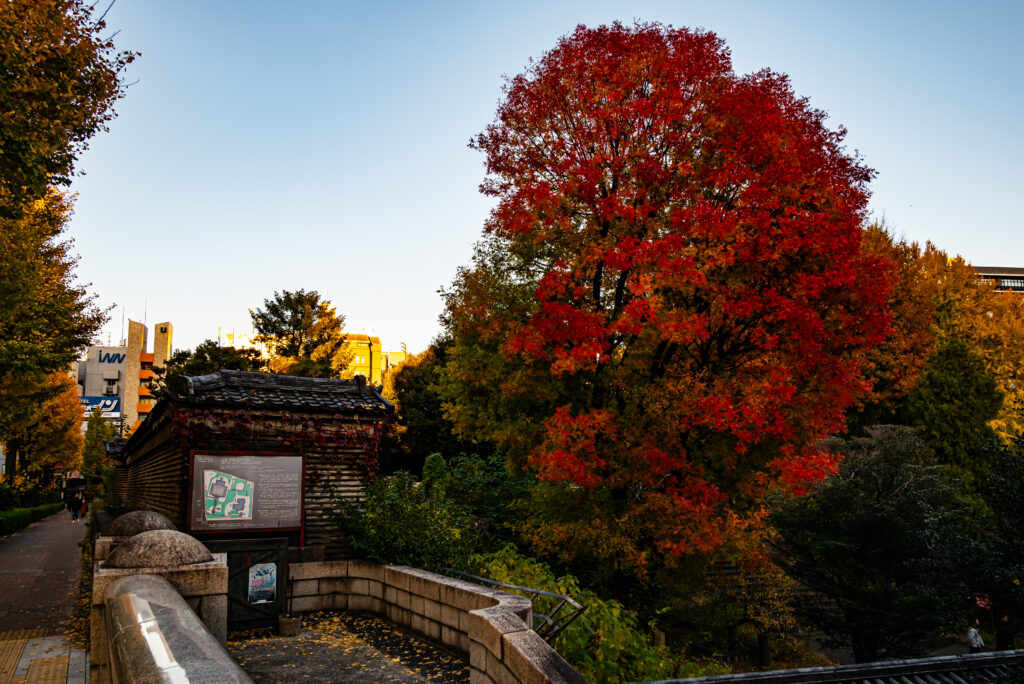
x,y
1006,278
271,391
360,337
999,270
997,666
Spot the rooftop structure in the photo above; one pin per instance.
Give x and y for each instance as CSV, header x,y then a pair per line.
x,y
1003,277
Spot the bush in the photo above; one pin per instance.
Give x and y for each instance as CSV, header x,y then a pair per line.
x,y
8,498
604,644
484,488
406,522
20,518
24,497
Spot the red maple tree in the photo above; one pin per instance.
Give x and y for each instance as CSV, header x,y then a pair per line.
x,y
672,305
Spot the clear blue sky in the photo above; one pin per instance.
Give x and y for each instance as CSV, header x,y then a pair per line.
x,y
322,145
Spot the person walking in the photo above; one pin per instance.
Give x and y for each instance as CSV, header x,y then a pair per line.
x,y
75,506
1004,634
974,640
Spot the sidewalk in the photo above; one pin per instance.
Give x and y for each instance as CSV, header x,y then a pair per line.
x,y
39,572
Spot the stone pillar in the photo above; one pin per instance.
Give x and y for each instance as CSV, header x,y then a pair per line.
x,y
177,557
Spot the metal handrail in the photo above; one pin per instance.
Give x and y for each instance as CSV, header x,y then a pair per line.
x,y
551,625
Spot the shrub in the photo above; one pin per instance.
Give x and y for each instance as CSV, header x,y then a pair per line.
x,y
483,486
8,498
20,518
604,644
406,522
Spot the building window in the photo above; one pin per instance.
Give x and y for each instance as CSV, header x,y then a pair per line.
x,y
1015,284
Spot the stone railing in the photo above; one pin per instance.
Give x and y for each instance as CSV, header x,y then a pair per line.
x,y
491,627
154,636
192,595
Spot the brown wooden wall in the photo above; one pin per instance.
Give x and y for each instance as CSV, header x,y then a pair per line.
x,y
119,497
156,479
325,473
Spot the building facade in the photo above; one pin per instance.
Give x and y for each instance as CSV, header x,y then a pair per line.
x,y
366,357
117,379
1009,279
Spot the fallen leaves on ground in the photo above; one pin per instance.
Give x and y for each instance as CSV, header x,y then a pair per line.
x,y
358,641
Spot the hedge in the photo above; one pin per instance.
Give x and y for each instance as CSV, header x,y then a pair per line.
x,y
20,518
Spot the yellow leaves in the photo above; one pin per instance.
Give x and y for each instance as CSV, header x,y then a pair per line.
x,y
938,298
340,646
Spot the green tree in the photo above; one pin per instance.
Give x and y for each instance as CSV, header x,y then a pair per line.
x,y
208,357
1004,564
60,78
953,402
882,545
423,428
94,452
303,334
47,316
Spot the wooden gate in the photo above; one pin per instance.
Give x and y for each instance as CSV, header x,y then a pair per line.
x,y
257,580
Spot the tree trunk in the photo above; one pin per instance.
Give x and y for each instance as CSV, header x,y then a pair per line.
x,y
11,455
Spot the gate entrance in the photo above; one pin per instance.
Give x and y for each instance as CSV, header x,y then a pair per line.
x,y
257,580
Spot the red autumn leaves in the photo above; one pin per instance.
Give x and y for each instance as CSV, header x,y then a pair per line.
x,y
699,301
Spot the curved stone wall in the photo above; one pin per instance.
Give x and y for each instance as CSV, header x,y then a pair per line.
x,y
492,627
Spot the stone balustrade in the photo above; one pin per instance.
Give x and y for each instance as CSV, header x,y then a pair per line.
x,y
491,627
154,636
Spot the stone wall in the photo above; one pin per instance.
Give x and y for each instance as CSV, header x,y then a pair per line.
x,y
203,586
491,627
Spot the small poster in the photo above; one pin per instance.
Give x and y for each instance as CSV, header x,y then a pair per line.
x,y
263,583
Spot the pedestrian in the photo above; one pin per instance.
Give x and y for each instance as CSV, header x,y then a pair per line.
x,y
1004,634
75,506
85,504
974,640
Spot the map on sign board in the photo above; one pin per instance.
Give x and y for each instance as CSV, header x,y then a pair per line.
x,y
228,497
245,492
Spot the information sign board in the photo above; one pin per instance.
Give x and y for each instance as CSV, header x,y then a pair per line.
x,y
246,492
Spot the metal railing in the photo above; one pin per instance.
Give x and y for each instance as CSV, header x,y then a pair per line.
x,y
547,626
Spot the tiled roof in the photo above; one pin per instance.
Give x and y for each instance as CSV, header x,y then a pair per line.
x,y
999,270
115,446
997,666
270,391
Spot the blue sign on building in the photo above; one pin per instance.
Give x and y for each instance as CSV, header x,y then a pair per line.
x,y
111,406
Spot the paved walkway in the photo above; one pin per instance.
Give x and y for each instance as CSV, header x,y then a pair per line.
x,y
39,572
